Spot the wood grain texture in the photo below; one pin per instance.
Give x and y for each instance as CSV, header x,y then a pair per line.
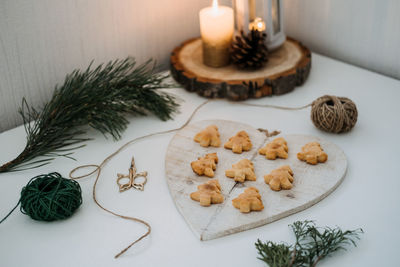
x,y
287,68
43,40
311,183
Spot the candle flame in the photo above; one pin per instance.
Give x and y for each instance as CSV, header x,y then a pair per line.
x,y
215,5
258,24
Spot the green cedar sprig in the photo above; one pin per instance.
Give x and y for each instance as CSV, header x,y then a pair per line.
x,y
99,98
312,245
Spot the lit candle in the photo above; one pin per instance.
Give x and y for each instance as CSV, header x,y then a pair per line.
x,y
257,24
216,27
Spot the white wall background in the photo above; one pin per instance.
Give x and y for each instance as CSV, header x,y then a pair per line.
x,y
43,40
362,32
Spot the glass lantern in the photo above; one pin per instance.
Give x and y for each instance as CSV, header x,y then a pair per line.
x,y
262,15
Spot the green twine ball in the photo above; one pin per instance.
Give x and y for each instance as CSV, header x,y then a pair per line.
x,y
50,197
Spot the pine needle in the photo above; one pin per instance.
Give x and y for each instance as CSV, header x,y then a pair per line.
x,y
100,98
312,245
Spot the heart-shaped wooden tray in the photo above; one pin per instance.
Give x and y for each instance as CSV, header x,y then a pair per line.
x,y
311,184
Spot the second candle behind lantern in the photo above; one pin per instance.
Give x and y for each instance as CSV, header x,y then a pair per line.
x,y
216,27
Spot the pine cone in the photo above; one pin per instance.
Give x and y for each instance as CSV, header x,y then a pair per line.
x,y
249,51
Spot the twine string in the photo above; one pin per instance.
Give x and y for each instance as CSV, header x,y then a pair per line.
x,y
49,197
98,168
271,106
338,117
2,220
334,114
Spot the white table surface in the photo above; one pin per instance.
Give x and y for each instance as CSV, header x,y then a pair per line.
x,y
369,196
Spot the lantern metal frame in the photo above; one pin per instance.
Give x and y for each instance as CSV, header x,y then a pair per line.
x,y
273,19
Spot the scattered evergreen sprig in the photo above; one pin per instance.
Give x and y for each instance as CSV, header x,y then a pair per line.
x,y
99,98
312,245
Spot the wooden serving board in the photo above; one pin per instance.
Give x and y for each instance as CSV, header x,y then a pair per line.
x,y
287,67
311,184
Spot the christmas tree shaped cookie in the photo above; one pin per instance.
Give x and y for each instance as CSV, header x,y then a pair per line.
x,y
275,149
281,178
208,137
241,171
208,193
248,201
205,165
238,143
312,153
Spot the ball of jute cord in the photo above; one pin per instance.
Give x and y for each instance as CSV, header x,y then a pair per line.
x,y
50,197
334,114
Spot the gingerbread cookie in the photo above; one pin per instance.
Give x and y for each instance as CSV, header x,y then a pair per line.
x,y
208,137
239,142
312,153
281,178
277,148
248,201
241,171
208,193
205,165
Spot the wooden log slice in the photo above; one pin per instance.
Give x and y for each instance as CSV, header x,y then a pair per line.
x,y
287,68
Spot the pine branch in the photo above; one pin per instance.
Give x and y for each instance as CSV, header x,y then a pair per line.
x,y
274,254
99,98
312,245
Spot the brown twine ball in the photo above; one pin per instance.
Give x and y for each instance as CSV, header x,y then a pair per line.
x,y
334,114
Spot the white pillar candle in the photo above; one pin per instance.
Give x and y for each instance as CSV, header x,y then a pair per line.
x,y
216,27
